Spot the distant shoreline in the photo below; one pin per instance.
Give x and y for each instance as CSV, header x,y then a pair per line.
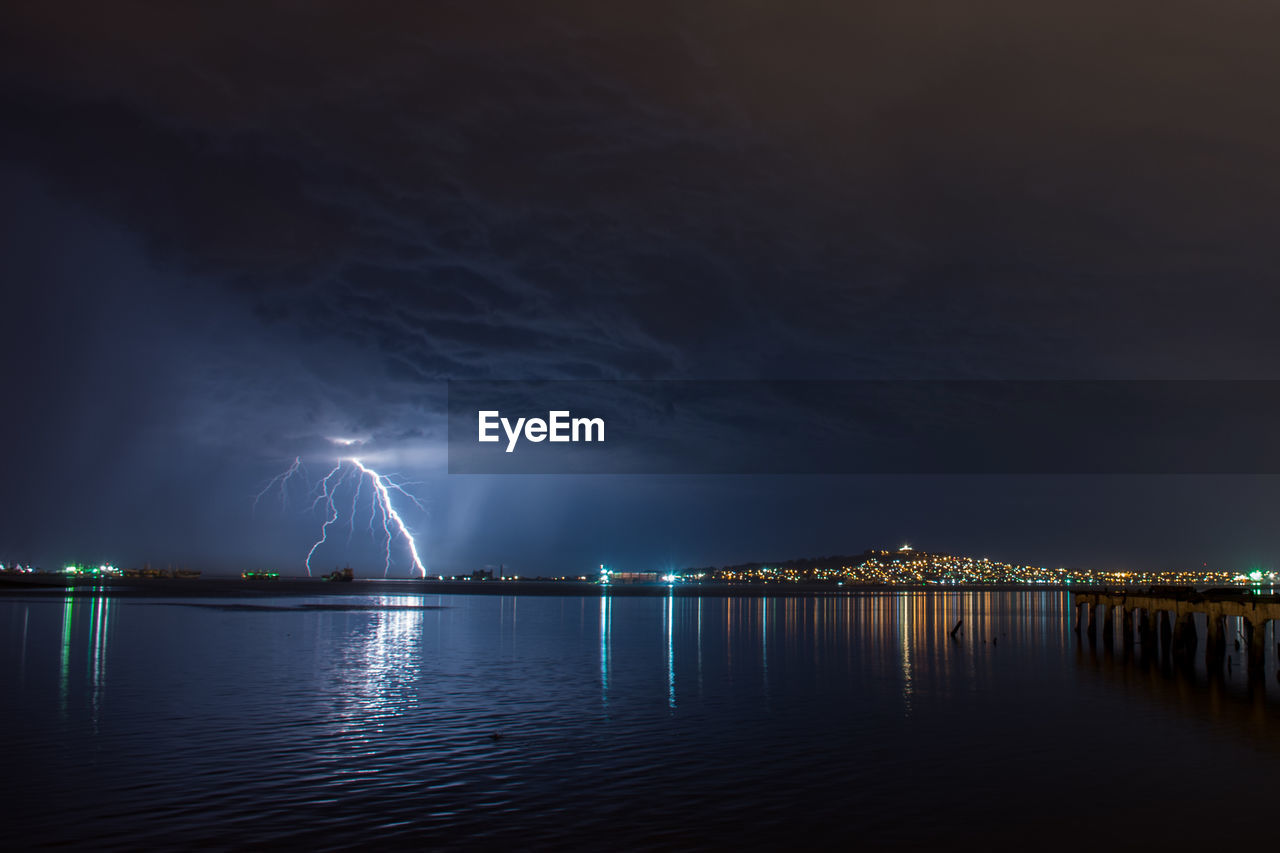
x,y
240,588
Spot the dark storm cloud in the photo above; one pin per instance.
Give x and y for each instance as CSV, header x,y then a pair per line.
x,y
329,207
580,193
567,191
459,235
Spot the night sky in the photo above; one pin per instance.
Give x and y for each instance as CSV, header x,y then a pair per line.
x,y
233,232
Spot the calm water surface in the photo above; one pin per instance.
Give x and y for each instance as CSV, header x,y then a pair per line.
x,y
638,722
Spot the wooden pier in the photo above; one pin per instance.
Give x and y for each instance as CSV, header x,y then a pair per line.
x,y
1164,621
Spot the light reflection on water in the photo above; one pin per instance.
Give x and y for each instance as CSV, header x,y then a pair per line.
x,y
655,721
380,668
98,608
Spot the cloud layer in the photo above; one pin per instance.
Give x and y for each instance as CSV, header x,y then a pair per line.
x,y
264,224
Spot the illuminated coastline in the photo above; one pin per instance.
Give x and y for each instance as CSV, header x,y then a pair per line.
x,y
907,566
904,567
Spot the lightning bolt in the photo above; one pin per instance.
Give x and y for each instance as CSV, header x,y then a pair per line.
x,y
329,496
280,480
382,485
327,493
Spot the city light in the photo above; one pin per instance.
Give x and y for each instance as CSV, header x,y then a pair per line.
x,y
909,566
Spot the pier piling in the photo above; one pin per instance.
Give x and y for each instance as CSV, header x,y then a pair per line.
x,y
1167,620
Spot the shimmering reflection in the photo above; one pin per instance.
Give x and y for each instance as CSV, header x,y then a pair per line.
x,y
1193,676
908,631
904,642
654,722
668,621
64,669
605,613
99,629
383,661
85,629
700,600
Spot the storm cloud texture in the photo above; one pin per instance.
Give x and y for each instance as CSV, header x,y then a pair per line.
x,y
232,231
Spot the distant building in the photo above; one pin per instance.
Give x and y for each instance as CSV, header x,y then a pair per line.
x,y
633,577
148,572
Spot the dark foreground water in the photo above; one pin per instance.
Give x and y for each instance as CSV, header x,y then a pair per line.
x,y
626,722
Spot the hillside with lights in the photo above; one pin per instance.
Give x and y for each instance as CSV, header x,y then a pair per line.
x,y
907,565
